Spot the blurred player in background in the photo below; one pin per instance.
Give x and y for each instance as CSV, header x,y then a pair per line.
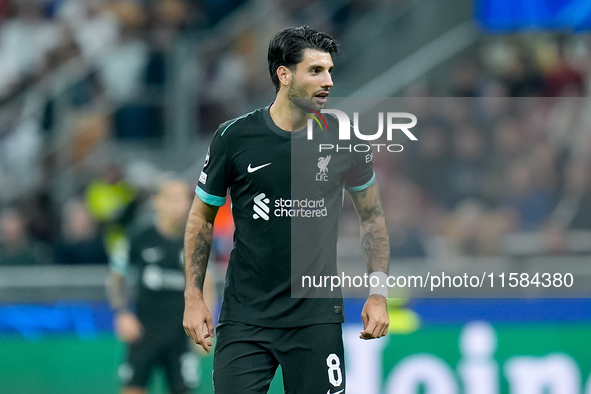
x,y
154,331
261,325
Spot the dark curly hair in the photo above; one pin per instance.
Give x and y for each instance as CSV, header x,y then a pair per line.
x,y
287,46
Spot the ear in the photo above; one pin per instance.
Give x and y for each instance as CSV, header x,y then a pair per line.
x,y
284,74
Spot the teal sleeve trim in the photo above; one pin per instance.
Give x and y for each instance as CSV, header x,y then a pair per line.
x,y
231,123
119,267
364,186
210,198
119,259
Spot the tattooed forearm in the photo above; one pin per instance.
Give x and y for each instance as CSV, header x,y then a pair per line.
x,y
198,239
367,240
376,245
374,234
200,255
369,204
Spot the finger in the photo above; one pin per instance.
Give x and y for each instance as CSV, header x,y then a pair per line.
x,y
371,328
209,325
189,333
204,342
199,337
380,330
365,335
192,334
364,319
374,330
206,345
384,331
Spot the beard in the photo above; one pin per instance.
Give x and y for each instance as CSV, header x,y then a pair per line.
x,y
298,95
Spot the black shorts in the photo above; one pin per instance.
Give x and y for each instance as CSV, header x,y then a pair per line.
x,y
180,364
311,358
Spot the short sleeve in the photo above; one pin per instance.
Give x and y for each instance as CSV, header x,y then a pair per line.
x,y
214,178
119,259
361,174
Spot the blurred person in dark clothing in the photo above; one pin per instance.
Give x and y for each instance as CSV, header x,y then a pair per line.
x,y
80,242
153,329
16,248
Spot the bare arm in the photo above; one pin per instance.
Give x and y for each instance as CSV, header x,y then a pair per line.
x,y
374,233
198,239
117,292
376,247
127,326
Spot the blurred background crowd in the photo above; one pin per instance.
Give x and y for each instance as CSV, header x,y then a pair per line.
x,y
99,97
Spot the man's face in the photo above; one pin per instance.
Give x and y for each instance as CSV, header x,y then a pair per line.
x,y
173,201
311,80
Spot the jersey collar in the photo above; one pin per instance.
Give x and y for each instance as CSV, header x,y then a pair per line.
x,y
280,131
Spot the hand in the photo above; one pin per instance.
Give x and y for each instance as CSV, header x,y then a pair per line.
x,y
375,318
197,321
128,327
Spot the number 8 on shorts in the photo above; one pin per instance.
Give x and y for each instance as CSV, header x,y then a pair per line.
x,y
335,376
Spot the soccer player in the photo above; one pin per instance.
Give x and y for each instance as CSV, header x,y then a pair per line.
x,y
286,198
154,330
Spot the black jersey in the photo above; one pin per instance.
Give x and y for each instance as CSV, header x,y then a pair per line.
x,y
286,198
161,280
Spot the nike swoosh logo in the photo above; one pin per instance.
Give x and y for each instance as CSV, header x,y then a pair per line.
x,y
336,392
251,169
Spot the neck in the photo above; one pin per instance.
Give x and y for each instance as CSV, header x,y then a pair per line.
x,y
286,115
168,227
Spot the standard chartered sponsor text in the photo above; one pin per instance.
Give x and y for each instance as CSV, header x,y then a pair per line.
x,y
441,280
305,208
